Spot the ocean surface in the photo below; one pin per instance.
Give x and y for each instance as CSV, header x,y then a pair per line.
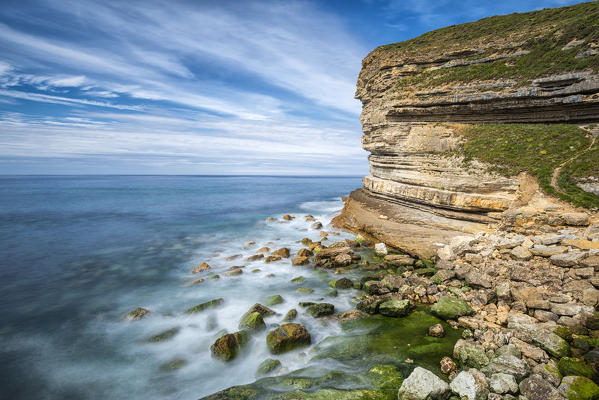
x,y
79,252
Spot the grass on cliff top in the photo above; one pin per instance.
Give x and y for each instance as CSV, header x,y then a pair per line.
x,y
537,149
544,33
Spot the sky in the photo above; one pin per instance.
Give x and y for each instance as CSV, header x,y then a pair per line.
x,y
199,87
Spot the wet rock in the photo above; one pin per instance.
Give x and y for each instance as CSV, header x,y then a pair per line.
x,y
255,257
298,279
271,259
249,244
259,308
316,225
306,241
282,252
274,300
451,308
352,315
234,272
288,217
508,364
448,366
194,282
204,306
395,308
268,366
290,316
380,249
423,385
233,257
320,309
436,331
305,253
578,388
173,365
370,305
342,283
200,268
536,388
270,219
164,335
287,337
252,322
304,290
503,383
471,384
300,260
137,314
375,288
228,347
263,250
342,260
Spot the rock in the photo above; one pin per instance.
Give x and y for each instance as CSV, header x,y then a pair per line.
x,y
305,253
304,290
503,291
342,260
398,260
547,340
263,250
316,225
249,244
274,300
423,385
342,283
259,308
528,350
287,337
567,259
471,384
581,244
576,219
591,262
568,309
290,316
578,388
137,314
508,364
461,244
268,366
298,279
375,288
477,279
573,366
203,306
255,257
282,252
521,253
370,305
448,366
200,268
380,249
233,257
271,259
536,388
300,260
234,271
320,309
547,251
436,331
545,316
451,308
163,336
173,365
270,219
470,355
352,315
503,383
395,308
252,322
228,346
549,372
306,241
288,217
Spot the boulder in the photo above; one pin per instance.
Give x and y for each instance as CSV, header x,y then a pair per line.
x,y
282,252
263,310
578,388
549,372
470,355
274,300
271,259
287,337
200,268
436,331
471,384
288,217
304,253
503,383
300,260
320,309
228,346
342,283
375,288
451,308
508,364
398,260
252,322
536,388
316,225
572,366
395,308
290,316
255,257
380,249
547,251
423,385
342,260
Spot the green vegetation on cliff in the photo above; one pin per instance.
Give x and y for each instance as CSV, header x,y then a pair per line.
x,y
537,149
556,41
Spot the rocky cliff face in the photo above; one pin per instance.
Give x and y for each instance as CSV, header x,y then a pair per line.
x,y
417,96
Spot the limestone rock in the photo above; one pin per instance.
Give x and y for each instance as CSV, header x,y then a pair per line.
x,y
536,388
578,388
503,383
423,385
380,249
471,384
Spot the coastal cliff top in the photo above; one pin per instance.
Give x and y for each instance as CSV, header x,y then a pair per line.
x,y
522,46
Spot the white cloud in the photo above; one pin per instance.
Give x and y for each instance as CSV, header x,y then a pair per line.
x,y
44,98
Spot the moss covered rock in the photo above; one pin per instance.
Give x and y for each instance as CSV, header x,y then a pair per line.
x,y
290,316
342,283
574,366
395,308
578,388
451,308
252,322
287,337
274,300
203,306
268,366
137,314
163,336
304,290
173,365
228,346
320,309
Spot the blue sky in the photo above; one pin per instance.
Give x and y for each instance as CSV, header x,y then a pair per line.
x,y
199,87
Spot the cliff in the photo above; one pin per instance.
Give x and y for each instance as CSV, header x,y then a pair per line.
x,y
469,122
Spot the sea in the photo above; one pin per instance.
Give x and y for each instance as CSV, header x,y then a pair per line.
x,y
77,253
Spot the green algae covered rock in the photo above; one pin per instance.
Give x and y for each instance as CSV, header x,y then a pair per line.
x,y
342,283
395,308
274,300
137,314
203,306
572,366
385,376
173,365
163,336
578,388
253,322
471,355
320,309
228,346
304,290
290,316
287,337
451,308
267,366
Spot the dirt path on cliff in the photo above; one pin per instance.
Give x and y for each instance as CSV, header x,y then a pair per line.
x,y
557,171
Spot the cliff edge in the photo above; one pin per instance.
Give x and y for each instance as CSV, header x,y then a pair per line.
x,y
478,125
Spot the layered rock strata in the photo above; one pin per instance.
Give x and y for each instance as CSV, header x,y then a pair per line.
x,y
417,95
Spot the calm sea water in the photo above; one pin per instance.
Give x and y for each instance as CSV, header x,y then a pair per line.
x,y
77,253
